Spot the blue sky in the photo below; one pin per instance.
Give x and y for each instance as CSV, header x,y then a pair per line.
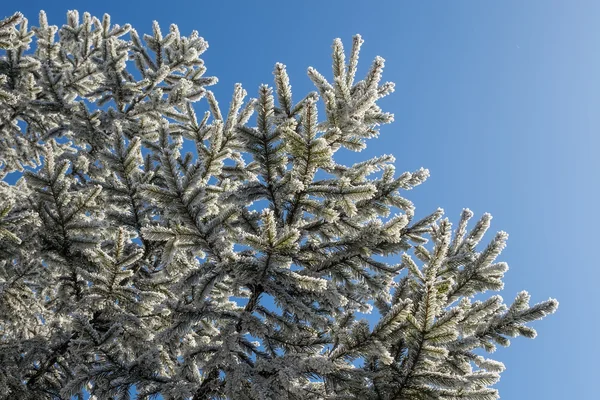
x,y
498,99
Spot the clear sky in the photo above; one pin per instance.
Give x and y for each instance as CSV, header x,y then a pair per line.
x,y
499,99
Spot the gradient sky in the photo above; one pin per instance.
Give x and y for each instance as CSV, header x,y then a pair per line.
x,y
498,99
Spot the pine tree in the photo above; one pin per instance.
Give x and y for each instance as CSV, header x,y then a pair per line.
x,y
226,255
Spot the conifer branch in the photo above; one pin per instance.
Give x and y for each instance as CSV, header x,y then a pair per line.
x,y
223,256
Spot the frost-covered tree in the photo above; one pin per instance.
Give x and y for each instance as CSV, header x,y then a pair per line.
x,y
226,255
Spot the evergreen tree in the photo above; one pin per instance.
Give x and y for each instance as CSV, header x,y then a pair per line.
x,y
225,256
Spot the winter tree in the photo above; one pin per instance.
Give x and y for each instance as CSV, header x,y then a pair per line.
x,y
224,254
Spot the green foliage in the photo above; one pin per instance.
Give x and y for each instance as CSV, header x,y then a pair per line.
x,y
134,251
